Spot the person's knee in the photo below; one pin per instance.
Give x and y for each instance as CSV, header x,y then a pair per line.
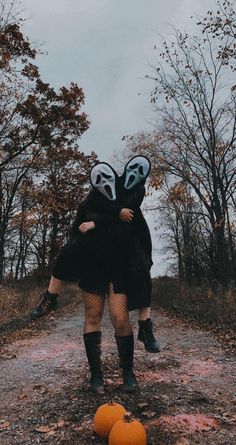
x,y
94,317
120,322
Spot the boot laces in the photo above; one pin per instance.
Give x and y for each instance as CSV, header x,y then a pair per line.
x,y
44,304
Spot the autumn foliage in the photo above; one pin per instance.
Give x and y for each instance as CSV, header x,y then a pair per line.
x,y
192,147
43,173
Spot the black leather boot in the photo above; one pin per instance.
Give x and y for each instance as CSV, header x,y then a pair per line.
x,y
48,303
145,334
125,347
92,342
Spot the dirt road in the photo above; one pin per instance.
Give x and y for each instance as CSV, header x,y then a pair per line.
x,y
187,393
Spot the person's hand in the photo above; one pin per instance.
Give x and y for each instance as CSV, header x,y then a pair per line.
x,y
86,226
126,215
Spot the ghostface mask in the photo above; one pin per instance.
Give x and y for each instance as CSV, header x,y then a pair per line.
x,y
136,171
103,179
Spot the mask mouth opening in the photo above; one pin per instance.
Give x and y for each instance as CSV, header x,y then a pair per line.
x,y
130,181
108,190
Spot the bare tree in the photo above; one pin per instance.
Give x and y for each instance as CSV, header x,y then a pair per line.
x,y
199,128
194,139
34,119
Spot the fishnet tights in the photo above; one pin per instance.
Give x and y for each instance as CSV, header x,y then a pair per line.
x,y
94,308
119,313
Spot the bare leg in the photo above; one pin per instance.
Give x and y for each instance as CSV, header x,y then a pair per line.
x,y
144,313
49,300
55,285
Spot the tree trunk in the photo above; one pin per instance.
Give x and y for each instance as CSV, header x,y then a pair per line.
x,y
53,239
222,260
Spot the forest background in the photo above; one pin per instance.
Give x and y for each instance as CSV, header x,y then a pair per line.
x,y
191,145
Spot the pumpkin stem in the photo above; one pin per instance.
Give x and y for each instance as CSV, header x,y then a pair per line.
x,y
128,417
111,402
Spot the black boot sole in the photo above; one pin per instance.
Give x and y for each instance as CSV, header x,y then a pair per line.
x,y
149,349
36,317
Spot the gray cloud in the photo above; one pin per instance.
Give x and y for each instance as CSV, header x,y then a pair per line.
x,y
106,46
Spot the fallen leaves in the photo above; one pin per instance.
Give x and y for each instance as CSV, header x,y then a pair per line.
x,y
61,410
142,405
7,356
188,422
182,441
4,424
149,414
43,429
51,427
22,396
226,418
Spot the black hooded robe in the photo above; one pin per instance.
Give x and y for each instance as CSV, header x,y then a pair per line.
x,y
86,257
139,252
115,251
131,242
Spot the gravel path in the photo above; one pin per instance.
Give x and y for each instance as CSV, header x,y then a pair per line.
x,y
187,393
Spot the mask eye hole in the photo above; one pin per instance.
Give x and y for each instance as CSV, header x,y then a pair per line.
x,y
98,179
106,176
141,170
132,167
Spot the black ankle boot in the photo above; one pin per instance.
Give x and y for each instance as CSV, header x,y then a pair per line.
x,y
125,347
92,342
47,304
145,334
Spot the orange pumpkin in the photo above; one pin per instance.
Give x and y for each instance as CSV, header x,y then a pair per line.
x,y
105,418
128,431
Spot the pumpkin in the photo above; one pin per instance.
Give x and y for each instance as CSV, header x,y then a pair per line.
x,y
128,431
105,418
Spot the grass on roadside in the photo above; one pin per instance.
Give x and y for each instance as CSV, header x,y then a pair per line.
x,y
201,303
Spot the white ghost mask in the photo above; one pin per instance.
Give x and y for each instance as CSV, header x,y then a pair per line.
x,y
103,179
136,171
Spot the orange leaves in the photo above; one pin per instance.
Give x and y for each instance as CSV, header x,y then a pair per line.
x,y
40,127
180,193
13,44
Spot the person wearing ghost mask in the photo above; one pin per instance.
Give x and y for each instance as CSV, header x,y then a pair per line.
x,y
133,241
87,258
78,249
108,271
94,273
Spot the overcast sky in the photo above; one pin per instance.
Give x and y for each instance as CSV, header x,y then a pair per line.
x,y
107,46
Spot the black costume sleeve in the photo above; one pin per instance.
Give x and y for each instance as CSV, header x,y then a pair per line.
x,y
145,237
95,208
110,212
106,216
102,211
134,200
